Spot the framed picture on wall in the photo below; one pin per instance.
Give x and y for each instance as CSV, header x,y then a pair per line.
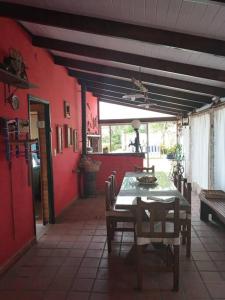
x,y
68,136
75,140
59,136
67,109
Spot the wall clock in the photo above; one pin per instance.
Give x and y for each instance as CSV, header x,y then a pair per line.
x,y
15,102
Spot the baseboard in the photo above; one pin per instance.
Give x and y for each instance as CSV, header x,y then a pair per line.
x,y
66,208
17,256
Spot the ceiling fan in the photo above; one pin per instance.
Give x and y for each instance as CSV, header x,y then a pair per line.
x,y
147,104
142,94
142,90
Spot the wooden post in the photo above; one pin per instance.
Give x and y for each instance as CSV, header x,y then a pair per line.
x,y
84,125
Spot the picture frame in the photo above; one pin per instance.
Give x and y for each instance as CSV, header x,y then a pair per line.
x,y
59,136
68,136
75,140
67,113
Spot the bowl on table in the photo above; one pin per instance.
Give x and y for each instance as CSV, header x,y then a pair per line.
x,y
147,180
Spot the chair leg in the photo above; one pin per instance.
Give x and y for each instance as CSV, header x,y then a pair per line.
x,y
176,268
113,229
188,246
109,234
139,267
183,230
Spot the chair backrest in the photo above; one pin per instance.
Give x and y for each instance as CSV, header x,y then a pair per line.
x,y
108,200
156,225
177,181
114,182
187,190
112,191
144,169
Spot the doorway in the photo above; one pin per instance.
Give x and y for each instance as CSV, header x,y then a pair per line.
x,y
41,166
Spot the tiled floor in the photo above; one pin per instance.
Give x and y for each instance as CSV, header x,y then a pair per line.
x,y
70,261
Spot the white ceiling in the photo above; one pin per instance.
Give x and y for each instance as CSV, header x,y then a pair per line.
x,y
130,46
202,18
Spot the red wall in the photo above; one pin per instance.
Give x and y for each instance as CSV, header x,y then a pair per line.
x,y
92,114
55,86
119,163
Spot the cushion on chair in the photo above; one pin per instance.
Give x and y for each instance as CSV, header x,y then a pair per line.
x,y
119,213
182,215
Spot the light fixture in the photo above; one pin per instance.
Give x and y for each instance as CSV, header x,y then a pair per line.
x,y
185,120
136,125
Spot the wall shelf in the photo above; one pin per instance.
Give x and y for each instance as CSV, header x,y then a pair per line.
x,y
11,79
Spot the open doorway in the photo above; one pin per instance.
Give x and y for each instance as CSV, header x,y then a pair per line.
x,y
42,181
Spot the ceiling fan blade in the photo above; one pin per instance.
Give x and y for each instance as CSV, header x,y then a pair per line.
x,y
132,96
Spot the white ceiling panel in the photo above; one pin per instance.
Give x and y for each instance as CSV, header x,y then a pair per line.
x,y
199,18
125,45
144,70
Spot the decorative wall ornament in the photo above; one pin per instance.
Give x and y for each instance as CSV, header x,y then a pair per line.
x,y
59,135
67,113
68,136
75,140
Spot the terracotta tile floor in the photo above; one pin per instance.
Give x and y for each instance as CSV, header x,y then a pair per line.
x,y
70,261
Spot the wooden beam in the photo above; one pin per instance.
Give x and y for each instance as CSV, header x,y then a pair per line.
x,y
150,78
143,120
84,117
126,90
100,79
154,98
160,110
112,28
157,104
130,58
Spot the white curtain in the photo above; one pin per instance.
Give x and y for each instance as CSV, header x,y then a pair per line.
x,y
200,133
186,150
219,149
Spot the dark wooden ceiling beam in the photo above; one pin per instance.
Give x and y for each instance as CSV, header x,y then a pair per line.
x,y
158,104
112,28
143,120
125,90
160,110
132,59
150,78
156,99
105,81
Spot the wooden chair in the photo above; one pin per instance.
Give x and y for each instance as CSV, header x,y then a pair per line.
x,y
158,230
115,181
185,218
177,179
144,169
113,216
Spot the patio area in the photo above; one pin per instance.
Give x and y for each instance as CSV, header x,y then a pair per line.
x,y
70,261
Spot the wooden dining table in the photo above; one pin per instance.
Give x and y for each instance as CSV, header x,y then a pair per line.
x,y
163,190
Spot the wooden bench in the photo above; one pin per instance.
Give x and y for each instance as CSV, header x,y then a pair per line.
x,y
215,207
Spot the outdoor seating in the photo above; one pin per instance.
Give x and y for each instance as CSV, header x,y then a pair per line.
x,y
157,230
145,169
212,202
113,216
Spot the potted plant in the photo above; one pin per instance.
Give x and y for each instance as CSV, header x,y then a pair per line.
x,y
175,152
